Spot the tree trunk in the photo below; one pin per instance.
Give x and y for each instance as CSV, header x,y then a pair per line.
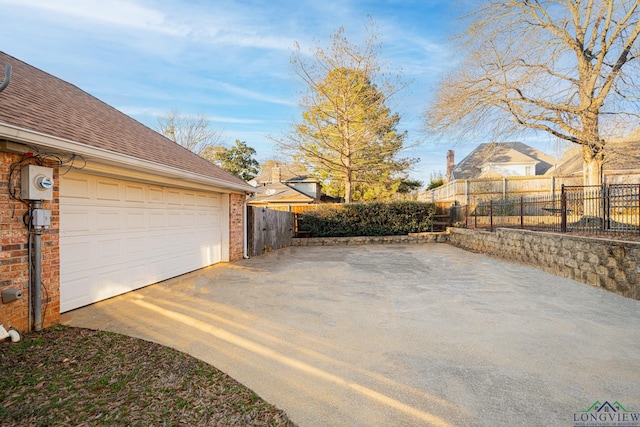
x,y
592,168
348,178
592,180
347,189
593,148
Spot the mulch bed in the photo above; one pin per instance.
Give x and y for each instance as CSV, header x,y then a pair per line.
x,y
79,377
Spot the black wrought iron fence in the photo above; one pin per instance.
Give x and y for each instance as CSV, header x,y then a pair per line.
x,y
607,209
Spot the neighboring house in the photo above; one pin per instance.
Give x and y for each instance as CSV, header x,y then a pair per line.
x,y
621,163
281,188
492,171
513,169
128,206
502,159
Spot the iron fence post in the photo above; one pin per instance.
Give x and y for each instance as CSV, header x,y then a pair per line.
x,y
521,212
605,207
475,217
563,207
466,216
491,215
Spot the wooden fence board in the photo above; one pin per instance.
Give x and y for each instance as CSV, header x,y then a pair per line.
x,y
268,229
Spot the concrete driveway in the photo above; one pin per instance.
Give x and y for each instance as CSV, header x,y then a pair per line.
x,y
397,335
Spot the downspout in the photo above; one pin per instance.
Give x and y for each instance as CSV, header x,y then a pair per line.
x,y
244,219
7,77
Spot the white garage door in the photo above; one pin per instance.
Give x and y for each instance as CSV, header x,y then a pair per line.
x,y
117,235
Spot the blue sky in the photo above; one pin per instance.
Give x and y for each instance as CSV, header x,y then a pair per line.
x,y
230,60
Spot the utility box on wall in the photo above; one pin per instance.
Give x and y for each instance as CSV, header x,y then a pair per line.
x,y
37,183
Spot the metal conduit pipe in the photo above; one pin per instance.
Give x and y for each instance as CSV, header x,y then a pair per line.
x,y
36,280
7,77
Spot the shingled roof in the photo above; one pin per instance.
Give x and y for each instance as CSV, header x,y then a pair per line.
x,y
278,192
621,154
501,153
40,102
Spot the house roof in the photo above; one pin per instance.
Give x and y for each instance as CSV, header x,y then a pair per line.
x,y
509,156
278,192
501,153
620,154
288,173
40,102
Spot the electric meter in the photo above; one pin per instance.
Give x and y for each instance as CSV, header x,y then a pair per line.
x,y
37,183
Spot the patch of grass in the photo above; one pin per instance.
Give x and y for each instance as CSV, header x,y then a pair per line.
x,y
73,376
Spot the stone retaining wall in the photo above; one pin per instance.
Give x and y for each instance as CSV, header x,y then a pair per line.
x,y
610,264
366,240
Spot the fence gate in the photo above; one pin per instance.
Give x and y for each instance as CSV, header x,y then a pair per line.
x,y
268,229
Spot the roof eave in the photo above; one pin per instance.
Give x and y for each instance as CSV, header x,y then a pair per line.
x,y
49,142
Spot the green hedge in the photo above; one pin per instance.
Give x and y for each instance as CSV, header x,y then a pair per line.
x,y
368,219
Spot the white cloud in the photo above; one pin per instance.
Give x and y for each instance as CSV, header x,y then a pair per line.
x,y
121,13
215,24
250,94
134,111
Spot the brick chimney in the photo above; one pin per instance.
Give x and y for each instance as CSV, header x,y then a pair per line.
x,y
450,165
276,174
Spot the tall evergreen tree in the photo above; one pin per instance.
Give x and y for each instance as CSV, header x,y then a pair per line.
x,y
347,134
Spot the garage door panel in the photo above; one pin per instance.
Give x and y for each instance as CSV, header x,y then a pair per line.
x,y
135,221
108,220
134,193
158,245
118,235
158,269
75,188
203,200
156,195
83,295
108,190
136,247
136,275
110,250
188,220
156,219
77,220
173,197
79,252
188,199
174,219
110,282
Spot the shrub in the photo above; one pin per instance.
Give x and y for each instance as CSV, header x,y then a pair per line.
x,y
368,219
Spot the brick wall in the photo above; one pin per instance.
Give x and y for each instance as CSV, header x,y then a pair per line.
x,y
14,263
236,226
609,264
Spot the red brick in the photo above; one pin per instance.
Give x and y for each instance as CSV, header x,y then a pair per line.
x,y
14,268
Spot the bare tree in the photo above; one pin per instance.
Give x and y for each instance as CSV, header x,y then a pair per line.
x,y
192,132
347,134
564,67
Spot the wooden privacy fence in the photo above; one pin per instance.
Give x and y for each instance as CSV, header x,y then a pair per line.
x,y
268,229
466,191
305,208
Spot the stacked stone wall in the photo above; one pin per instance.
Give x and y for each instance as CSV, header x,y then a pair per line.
x,y
368,240
610,264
